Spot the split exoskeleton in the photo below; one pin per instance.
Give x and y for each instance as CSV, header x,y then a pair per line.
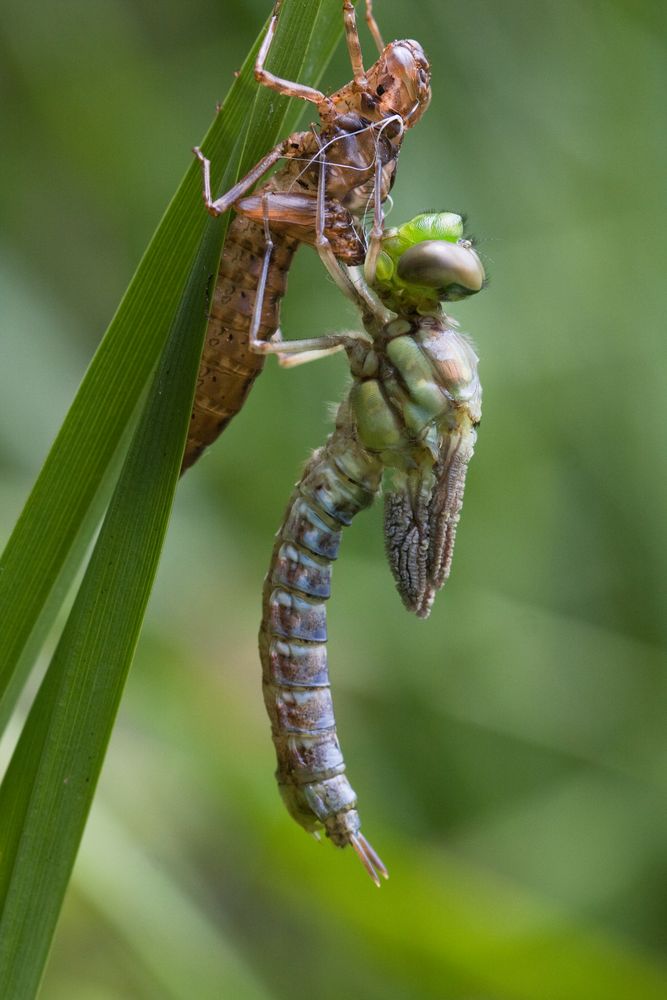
x,y
330,180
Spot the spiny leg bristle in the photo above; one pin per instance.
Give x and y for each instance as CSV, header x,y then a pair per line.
x,y
371,861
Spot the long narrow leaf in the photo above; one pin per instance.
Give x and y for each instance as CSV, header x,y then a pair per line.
x,y
49,786
54,518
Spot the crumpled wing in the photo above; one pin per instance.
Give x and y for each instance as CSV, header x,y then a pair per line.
x,y
422,510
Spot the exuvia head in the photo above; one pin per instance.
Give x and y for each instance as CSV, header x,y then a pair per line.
x,y
400,82
425,262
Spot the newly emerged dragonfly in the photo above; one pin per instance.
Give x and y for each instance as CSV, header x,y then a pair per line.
x,y
330,180
410,418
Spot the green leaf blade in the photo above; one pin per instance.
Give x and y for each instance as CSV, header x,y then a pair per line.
x,y
48,788
53,516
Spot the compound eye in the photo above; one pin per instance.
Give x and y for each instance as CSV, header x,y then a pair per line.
x,y
454,269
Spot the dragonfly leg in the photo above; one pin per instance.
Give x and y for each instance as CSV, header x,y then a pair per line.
x,y
373,26
256,345
286,360
297,352
277,345
287,87
225,202
354,45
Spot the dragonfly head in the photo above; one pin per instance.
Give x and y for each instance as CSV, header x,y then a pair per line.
x,y
400,82
425,262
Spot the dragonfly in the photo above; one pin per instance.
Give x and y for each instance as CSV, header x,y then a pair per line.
x,y
331,178
409,419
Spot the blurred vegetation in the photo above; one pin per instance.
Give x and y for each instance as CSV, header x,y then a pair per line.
x,y
510,753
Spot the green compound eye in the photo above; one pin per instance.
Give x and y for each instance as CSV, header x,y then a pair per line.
x,y
425,262
453,269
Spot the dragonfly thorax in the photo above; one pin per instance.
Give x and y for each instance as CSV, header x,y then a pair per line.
x,y
409,387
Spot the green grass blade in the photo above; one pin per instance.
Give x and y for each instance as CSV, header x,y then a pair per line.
x,y
55,513
50,782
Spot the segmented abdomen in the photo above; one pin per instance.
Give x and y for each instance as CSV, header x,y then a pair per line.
x,y
228,367
340,480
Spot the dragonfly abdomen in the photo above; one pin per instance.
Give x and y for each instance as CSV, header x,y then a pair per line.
x,y
228,367
294,633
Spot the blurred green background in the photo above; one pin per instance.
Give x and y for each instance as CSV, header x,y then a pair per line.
x,y
510,753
